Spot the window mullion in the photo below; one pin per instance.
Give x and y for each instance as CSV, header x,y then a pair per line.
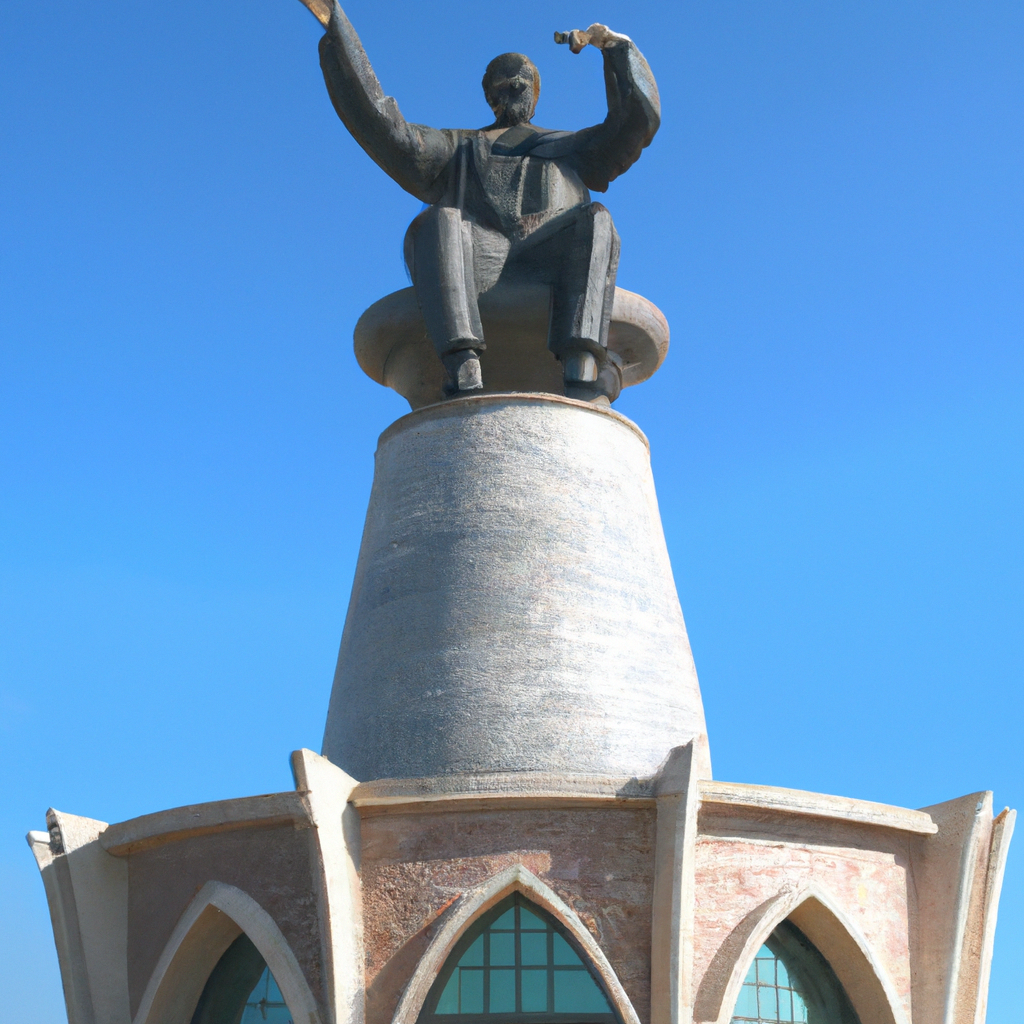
x,y
487,970
549,937
518,960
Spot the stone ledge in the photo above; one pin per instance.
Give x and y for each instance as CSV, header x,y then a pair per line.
x,y
818,805
149,830
528,789
516,789
520,790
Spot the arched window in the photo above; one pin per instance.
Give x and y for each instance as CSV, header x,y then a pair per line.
x,y
791,981
517,965
241,990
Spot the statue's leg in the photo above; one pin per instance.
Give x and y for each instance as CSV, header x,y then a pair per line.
x,y
583,290
442,272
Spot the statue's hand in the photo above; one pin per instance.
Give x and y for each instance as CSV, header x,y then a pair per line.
x,y
321,10
597,35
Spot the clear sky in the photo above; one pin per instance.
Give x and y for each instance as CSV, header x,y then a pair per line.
x,y
832,219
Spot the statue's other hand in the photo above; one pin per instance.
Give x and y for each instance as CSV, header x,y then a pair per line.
x,y
597,35
602,36
321,10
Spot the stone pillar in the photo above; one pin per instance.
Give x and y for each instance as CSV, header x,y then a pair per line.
x,y
513,606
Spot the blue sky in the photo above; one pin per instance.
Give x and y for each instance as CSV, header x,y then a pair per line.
x,y
832,220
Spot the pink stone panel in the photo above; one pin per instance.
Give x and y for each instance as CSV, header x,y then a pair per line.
x,y
273,865
600,862
864,871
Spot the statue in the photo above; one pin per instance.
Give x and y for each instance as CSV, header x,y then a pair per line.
x,y
506,203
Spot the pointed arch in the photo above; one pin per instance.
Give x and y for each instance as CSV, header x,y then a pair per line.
x,y
815,913
477,902
217,915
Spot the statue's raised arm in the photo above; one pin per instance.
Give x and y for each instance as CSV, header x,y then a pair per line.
x,y
416,156
600,154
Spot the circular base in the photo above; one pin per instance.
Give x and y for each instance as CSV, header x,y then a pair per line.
x,y
393,348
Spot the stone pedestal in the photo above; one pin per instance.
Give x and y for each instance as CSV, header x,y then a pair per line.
x,y
513,606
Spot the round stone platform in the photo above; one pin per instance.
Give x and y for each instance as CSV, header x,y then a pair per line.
x,y
393,348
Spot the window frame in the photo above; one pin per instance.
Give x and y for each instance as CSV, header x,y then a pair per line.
x,y
428,1014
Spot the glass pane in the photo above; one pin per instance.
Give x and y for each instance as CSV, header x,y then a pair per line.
x,y
765,967
535,947
507,921
449,1001
266,1003
799,1008
767,1002
577,992
474,956
746,1005
785,1003
503,949
535,990
472,990
503,991
564,953
530,920
782,977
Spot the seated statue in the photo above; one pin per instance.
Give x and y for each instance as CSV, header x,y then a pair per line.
x,y
506,203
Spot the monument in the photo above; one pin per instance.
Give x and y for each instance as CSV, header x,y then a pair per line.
x,y
514,818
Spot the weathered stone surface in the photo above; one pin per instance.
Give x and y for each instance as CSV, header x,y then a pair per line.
x,y
273,865
745,861
513,606
601,863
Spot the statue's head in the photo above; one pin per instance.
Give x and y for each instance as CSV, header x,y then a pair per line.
x,y
512,84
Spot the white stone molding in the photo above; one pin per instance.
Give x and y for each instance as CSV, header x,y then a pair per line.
x,y
674,878
478,901
951,872
326,791
87,891
860,972
971,858
211,922
170,826
1002,832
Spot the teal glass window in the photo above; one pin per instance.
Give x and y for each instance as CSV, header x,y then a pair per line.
x,y
517,964
241,990
790,981
265,1003
768,993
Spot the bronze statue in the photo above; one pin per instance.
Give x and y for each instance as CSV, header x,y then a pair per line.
x,y
508,202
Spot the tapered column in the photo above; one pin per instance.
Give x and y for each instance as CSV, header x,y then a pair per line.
x,y
513,606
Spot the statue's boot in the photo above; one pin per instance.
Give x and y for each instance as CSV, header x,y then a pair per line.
x,y
464,374
588,379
